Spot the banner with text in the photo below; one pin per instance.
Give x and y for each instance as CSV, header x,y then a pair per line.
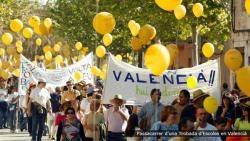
x,y
135,84
30,73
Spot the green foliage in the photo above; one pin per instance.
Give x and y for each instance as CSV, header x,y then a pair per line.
x,y
74,21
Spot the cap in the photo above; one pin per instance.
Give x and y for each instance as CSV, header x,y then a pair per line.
x,y
69,82
42,80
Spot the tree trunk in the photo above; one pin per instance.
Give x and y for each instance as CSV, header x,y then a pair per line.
x,y
195,38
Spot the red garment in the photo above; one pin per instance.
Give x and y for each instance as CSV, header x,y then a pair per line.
x,y
59,118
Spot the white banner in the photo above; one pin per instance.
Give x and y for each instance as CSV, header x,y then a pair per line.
x,y
135,84
30,73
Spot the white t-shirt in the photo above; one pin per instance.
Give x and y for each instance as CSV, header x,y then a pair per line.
x,y
114,120
12,96
41,96
208,127
85,105
3,93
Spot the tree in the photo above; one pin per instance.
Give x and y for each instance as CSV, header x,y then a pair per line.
x,y
74,21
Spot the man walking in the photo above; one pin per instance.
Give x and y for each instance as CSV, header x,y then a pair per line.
x,y
38,105
116,119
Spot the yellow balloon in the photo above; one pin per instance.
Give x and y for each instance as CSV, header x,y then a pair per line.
x,y
48,56
131,23
5,65
198,10
136,44
10,50
57,47
19,43
247,6
38,41
59,59
104,23
233,59
78,45
43,29
2,51
208,50
7,38
41,57
173,51
19,49
147,33
100,51
33,21
47,48
27,32
107,39
168,5
16,25
47,22
210,104
118,57
134,27
104,67
157,59
103,75
95,71
5,75
1,64
180,12
16,73
37,29
78,76
243,79
192,82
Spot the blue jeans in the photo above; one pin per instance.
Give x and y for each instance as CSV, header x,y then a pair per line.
x,y
116,136
22,120
38,120
3,113
12,116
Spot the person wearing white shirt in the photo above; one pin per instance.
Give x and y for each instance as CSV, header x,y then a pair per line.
x,y
116,119
38,106
201,124
12,99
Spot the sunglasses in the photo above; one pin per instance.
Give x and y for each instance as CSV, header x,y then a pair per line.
x,y
69,85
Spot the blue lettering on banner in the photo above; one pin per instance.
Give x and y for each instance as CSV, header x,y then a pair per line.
x,y
151,77
138,79
178,77
201,77
166,77
129,76
117,78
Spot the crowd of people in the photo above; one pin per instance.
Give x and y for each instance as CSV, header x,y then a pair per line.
x,y
75,112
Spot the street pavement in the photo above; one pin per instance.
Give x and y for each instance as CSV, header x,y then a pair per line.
x,y
5,135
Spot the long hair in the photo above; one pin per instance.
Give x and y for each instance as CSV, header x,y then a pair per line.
x,y
243,117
